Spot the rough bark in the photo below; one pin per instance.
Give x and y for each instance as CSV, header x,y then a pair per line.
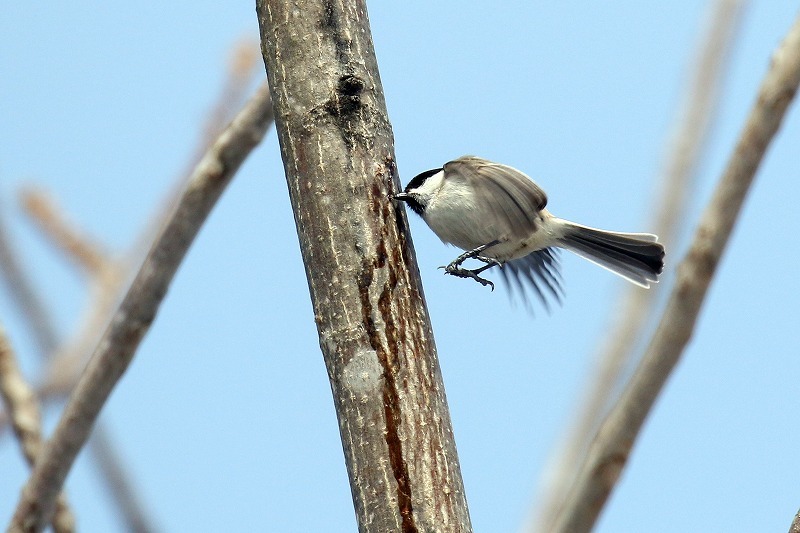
x,y
374,328
795,527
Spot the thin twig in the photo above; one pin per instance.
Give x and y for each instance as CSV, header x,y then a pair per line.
x,y
25,297
638,306
609,451
65,367
242,65
117,481
137,311
79,247
26,419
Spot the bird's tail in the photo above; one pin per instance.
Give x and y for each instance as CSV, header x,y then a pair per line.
x,y
637,257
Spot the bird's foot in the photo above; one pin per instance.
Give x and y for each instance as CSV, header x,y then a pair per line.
x,y
459,272
454,268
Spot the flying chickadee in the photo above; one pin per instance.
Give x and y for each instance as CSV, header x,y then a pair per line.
x,y
497,214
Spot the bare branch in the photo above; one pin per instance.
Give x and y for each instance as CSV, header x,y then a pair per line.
x,y
26,419
795,527
21,405
67,363
609,452
78,247
374,329
243,64
65,366
241,70
117,480
137,311
637,307
26,298
20,401
60,380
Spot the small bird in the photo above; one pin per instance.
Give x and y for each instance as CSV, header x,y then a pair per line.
x,y
498,215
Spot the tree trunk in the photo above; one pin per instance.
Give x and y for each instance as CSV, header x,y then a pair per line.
x,y
374,328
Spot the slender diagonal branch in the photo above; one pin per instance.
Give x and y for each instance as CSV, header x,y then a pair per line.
x,y
108,283
243,65
108,278
78,247
610,449
637,306
63,371
138,309
24,295
118,481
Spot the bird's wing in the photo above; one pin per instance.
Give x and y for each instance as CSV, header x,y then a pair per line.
x,y
504,190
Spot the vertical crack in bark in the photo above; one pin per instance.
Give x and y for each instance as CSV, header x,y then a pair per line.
x,y
391,399
332,26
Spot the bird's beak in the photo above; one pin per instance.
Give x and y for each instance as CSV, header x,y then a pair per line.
x,y
402,196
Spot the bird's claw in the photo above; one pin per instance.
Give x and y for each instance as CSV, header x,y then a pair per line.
x,y
454,268
459,272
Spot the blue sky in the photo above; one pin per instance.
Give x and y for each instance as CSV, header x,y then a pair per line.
x,y
225,417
